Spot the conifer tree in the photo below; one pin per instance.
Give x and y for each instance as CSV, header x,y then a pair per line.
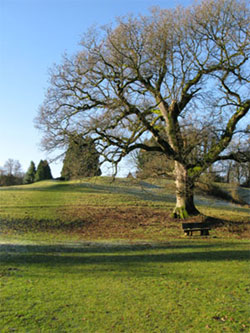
x,y
43,171
81,159
30,174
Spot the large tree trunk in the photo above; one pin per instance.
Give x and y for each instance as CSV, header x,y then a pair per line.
x,y
184,193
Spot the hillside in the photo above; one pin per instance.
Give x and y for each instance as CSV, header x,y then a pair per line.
x,y
98,208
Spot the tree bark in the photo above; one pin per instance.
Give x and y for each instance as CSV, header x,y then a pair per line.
x,y
185,206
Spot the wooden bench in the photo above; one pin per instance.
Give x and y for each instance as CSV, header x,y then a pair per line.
x,y
189,228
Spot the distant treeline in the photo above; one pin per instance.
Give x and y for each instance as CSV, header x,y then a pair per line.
x,y
11,173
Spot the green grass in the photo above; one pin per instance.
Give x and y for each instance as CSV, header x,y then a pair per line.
x,y
95,256
194,286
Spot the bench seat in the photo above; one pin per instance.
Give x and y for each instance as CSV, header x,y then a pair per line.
x,y
189,228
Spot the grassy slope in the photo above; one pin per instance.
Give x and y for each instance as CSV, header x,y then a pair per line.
x,y
99,209
95,256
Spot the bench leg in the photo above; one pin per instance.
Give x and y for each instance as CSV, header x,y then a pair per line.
x,y
205,232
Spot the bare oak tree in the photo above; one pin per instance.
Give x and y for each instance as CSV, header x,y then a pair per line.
x,y
160,75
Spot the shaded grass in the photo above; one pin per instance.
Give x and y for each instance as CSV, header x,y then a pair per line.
x,y
101,287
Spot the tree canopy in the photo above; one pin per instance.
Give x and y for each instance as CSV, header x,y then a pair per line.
x,y
152,164
30,174
160,75
81,159
43,171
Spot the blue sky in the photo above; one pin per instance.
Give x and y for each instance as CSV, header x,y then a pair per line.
x,y
33,36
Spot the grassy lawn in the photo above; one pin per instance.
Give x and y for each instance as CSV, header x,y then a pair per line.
x,y
95,256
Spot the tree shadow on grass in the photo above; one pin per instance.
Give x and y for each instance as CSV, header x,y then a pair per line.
x,y
111,255
99,247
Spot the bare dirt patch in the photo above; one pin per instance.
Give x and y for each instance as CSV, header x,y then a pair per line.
x,y
128,223
116,222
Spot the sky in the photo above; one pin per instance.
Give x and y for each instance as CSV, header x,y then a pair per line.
x,y
34,34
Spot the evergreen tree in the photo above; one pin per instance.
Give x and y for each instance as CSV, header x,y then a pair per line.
x,y
30,174
81,159
47,171
43,171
